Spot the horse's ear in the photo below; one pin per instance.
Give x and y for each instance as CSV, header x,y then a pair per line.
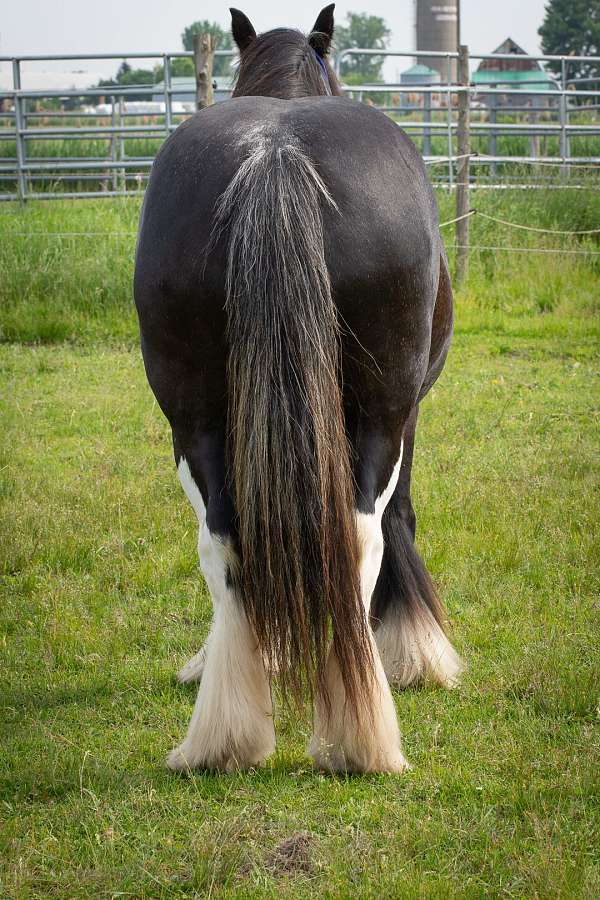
x,y
322,31
242,29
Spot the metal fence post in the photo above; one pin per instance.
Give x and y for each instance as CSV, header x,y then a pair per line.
x,y
20,140
449,122
463,168
493,119
168,94
564,149
426,124
24,118
113,142
204,53
123,171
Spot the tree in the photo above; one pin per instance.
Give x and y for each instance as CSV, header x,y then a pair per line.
x,y
181,67
369,33
222,39
572,28
127,77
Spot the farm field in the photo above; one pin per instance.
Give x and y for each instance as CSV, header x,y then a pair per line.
x,y
101,600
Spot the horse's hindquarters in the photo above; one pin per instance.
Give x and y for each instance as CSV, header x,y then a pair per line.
x,y
319,255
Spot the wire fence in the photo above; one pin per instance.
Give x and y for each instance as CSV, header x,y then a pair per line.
x,y
472,212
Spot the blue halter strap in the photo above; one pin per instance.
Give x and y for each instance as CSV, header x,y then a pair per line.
x,y
324,72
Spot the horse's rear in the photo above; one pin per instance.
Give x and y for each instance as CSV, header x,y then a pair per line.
x,y
294,307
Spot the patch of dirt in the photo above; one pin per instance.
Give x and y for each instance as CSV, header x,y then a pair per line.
x,y
292,855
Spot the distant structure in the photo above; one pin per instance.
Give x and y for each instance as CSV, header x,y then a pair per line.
x,y
437,24
518,74
419,75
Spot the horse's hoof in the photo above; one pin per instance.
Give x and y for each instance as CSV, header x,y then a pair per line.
x,y
332,759
177,762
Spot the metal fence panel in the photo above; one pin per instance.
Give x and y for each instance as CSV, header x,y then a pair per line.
x,y
114,167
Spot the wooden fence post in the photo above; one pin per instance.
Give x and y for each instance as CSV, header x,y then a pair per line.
x,y
463,171
204,52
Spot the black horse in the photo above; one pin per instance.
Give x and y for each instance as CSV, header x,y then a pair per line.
x,y
295,306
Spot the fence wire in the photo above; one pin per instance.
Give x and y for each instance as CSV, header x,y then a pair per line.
x,y
472,212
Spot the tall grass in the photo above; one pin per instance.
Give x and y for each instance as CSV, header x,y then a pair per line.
x,y
56,287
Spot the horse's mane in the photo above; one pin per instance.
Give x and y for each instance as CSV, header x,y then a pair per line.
x,y
282,63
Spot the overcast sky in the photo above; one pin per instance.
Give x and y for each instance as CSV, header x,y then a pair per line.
x,y
116,26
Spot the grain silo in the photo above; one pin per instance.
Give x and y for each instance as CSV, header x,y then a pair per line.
x,y
437,29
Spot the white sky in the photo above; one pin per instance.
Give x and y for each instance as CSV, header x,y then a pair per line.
x,y
117,26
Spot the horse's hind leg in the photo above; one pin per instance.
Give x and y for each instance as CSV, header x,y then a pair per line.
x,y
340,742
406,612
232,722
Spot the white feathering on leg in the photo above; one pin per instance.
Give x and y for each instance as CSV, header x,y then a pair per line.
x,y
413,646
232,723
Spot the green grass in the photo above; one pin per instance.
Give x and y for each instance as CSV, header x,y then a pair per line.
x,y
101,602
57,288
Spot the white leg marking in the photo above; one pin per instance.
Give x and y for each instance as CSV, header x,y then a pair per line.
x,y
192,490
192,671
370,536
232,723
340,743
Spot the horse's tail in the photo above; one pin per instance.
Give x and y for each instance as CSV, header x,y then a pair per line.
x,y
288,455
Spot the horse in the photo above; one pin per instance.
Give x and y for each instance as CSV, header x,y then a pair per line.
x,y
295,307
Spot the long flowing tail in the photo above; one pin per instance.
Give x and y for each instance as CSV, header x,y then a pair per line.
x,y
298,578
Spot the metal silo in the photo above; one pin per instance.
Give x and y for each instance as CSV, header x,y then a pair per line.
x,y
437,29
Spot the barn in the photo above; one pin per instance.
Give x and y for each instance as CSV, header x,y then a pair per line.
x,y
518,74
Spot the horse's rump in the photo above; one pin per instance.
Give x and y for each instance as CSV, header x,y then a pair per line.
x,y
381,243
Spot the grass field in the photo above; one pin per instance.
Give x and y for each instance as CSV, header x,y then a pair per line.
x,y
102,602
